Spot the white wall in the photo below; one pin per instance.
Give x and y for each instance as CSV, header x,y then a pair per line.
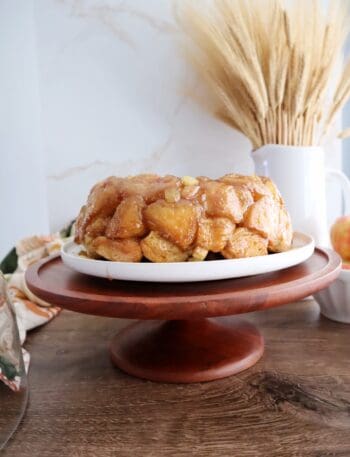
x,y
112,101
112,81
23,203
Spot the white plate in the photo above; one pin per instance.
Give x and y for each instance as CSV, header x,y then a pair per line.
x,y
303,248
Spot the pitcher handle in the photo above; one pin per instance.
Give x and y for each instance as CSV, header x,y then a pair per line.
x,y
345,186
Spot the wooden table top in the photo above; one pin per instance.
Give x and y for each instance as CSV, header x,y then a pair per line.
x,y
294,402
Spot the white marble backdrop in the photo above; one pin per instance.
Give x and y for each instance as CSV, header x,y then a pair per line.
x,y
111,95
114,90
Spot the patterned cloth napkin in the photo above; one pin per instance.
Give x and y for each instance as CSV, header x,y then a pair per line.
x,y
11,360
20,309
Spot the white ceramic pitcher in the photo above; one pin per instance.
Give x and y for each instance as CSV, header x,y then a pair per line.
x,y
300,174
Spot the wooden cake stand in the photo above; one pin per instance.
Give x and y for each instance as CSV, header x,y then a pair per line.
x,y
177,338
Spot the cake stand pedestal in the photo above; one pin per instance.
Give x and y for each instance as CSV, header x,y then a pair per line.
x,y
180,336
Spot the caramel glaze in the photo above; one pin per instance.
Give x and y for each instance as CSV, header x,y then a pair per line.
x,y
169,219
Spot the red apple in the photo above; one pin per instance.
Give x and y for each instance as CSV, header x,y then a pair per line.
x,y
340,237
346,266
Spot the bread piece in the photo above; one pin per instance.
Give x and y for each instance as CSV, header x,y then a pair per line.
x,y
172,194
245,197
214,233
283,237
127,250
245,243
127,221
87,241
199,254
252,183
271,186
103,199
176,222
270,219
97,227
221,200
150,187
79,230
157,249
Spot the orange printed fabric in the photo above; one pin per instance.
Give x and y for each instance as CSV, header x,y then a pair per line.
x,y
20,306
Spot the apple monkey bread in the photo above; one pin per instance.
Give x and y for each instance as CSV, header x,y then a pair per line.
x,y
170,219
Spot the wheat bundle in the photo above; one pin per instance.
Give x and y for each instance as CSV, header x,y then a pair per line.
x,y
271,66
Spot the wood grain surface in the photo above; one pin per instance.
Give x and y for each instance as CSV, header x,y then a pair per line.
x,y
294,402
12,409
53,281
194,350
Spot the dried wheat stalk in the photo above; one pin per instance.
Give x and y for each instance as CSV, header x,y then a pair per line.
x,y
271,66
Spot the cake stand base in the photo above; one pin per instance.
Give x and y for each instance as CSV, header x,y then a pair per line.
x,y
187,351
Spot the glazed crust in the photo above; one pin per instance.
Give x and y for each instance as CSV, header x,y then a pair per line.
x,y
170,219
245,243
128,250
158,249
